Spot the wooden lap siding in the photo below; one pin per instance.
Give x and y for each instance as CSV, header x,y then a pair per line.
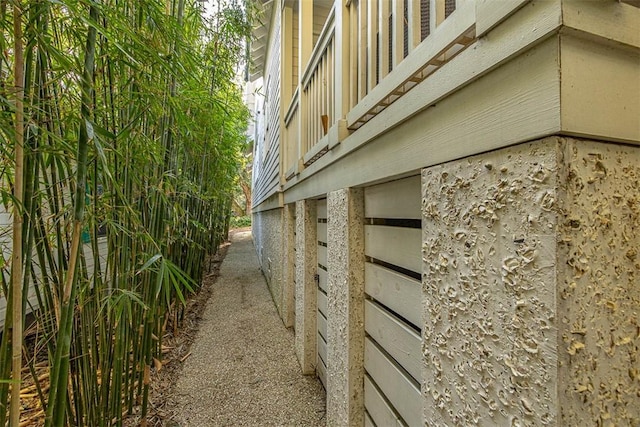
x,y
393,240
321,365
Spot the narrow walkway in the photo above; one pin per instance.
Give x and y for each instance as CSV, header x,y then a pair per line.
x,y
242,370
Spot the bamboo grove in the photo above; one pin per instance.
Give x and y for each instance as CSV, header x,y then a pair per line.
x,y
121,132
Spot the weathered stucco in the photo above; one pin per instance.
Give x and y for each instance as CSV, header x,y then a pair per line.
x,y
267,235
345,306
306,266
288,266
599,284
530,286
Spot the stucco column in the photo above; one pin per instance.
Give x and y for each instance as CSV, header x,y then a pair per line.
x,y
345,300
288,261
306,267
530,286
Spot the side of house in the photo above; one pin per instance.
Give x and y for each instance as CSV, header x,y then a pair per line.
x,y
446,206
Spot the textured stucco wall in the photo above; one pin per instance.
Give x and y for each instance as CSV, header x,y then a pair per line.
x,y
599,285
306,268
530,286
267,236
345,306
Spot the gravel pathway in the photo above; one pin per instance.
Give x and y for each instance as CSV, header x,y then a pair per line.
x,y
242,370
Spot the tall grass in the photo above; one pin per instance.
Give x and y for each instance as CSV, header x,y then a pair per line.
x,y
133,132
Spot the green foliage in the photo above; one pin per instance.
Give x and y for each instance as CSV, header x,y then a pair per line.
x,y
240,221
144,153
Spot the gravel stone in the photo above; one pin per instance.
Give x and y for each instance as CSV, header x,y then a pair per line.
x,y
242,370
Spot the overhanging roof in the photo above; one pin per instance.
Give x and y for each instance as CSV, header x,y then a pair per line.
x,y
260,39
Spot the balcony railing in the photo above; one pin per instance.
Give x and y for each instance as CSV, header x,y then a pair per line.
x,y
392,46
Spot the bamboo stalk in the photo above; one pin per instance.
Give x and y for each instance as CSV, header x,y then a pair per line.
x,y
16,265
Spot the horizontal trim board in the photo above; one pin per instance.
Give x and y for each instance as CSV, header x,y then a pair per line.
x,y
322,279
401,392
379,409
322,348
395,245
400,293
401,342
322,325
395,199
322,302
507,80
322,255
321,371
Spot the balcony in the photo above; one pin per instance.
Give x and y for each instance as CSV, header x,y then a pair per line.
x,y
368,55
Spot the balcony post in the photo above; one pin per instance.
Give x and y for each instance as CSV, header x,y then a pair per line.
x,y
342,56
305,46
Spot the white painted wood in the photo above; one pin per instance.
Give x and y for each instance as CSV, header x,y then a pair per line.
x,y
400,293
362,49
322,302
322,349
610,20
501,106
367,421
490,13
322,208
401,392
322,279
383,25
372,43
400,341
439,42
381,413
321,145
395,245
398,31
322,324
326,36
413,22
321,371
353,57
322,255
395,199
322,232
595,78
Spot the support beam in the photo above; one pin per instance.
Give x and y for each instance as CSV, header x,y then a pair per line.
x,y
345,332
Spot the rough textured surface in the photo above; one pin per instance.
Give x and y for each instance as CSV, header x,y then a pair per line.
x,y
345,319
306,268
242,370
599,285
268,242
530,286
288,266
489,289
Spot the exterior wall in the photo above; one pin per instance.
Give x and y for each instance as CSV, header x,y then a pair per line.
x,y
530,286
267,235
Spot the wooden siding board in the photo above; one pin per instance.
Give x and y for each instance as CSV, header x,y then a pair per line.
x,y
381,413
322,324
322,303
401,392
400,293
400,341
395,245
395,199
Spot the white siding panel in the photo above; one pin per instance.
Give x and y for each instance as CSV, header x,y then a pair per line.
x,y
400,341
395,199
322,255
400,293
401,392
377,407
322,303
395,245
322,325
